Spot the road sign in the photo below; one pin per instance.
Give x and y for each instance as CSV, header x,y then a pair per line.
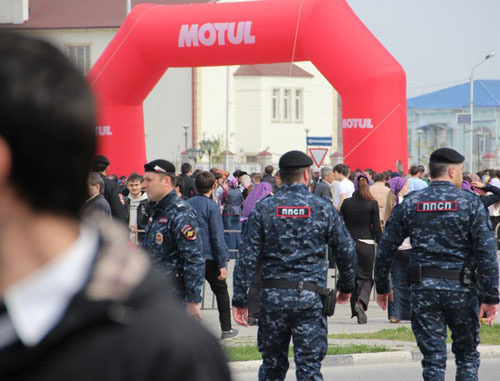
x,y
319,141
318,155
463,118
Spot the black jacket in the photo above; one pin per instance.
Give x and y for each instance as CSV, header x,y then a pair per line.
x,y
115,199
492,198
144,211
122,326
361,217
189,188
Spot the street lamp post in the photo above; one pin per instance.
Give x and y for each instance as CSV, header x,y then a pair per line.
x,y
307,135
479,134
419,133
491,55
186,127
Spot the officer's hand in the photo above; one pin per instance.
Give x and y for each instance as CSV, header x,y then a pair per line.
x,y
382,299
223,274
193,310
240,316
342,298
488,313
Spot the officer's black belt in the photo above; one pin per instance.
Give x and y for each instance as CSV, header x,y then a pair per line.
x,y
286,284
416,273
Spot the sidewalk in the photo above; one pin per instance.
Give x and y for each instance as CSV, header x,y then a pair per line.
x,y
341,322
401,351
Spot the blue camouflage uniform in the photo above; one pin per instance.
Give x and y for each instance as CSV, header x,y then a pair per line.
x,y
447,227
287,234
172,241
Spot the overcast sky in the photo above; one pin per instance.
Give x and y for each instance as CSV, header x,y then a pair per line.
x,y
436,41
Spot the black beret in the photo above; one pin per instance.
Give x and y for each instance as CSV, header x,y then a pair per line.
x,y
294,160
100,159
159,166
446,156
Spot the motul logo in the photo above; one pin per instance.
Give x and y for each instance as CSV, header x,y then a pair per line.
x,y
217,33
357,123
103,131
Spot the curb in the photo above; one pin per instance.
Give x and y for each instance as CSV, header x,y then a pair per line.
x,y
487,351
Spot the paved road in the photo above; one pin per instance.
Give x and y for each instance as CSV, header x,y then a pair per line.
x,y
489,371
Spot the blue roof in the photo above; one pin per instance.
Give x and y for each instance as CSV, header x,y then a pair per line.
x,y
486,94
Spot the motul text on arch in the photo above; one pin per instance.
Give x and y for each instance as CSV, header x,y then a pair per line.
x,y
357,123
210,34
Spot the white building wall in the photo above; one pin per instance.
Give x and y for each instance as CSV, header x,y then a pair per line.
x,y
248,102
254,128
166,109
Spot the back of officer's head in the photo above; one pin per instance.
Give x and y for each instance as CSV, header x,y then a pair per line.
x,y
48,125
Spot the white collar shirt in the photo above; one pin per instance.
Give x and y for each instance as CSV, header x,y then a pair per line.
x,y
37,303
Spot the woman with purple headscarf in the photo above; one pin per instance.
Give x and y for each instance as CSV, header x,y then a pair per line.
x,y
259,192
399,309
361,217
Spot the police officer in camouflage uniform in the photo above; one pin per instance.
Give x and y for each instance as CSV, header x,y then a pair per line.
x,y
451,236
171,235
287,233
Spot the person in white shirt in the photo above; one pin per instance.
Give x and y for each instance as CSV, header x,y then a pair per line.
x,y
138,208
346,186
415,182
495,180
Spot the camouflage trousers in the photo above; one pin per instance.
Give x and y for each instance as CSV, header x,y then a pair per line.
x,y
432,311
308,330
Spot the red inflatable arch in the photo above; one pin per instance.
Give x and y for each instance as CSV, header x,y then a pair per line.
x,y
153,38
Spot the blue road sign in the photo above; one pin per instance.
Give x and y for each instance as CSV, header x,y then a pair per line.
x,y
319,141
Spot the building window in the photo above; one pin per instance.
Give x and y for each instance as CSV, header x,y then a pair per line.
x,y
298,105
276,104
80,56
286,104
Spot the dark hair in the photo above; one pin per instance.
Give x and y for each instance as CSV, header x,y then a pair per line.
x,y
269,170
342,168
414,170
195,173
467,178
179,182
290,176
185,168
98,167
48,122
378,177
370,171
257,176
94,179
113,177
437,169
204,181
364,189
134,177
217,175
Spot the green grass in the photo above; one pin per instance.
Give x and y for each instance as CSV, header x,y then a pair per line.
x,y
489,335
250,352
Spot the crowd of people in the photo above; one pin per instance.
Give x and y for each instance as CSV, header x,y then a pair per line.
x,y
83,304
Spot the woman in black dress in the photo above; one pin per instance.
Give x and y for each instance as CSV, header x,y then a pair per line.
x,y
361,217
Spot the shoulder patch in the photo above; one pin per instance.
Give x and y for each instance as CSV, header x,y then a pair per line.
x,y
293,211
437,206
189,232
163,220
180,206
